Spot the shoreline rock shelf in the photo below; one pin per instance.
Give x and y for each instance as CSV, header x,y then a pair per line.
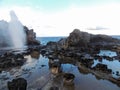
x,y
84,48
80,48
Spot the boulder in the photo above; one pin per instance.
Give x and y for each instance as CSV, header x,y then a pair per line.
x,y
77,39
68,78
102,68
17,84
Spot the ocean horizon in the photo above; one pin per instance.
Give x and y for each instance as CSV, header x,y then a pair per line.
x,y
45,39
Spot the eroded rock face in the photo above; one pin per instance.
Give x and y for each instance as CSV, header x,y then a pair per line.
x,y
79,39
76,39
31,37
83,48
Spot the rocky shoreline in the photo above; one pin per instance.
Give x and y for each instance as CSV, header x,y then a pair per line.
x,y
13,57
79,47
83,48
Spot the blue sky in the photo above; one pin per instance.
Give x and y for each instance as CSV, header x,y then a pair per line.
x,y
60,17
50,5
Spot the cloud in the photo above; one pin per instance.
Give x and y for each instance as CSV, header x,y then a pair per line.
x,y
63,22
97,28
48,26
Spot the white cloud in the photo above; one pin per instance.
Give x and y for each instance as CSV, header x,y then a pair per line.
x,y
65,21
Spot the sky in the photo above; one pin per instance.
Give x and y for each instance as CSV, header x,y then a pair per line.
x,y
60,17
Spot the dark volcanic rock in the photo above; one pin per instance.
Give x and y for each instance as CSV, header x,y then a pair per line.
x,y
31,37
83,48
102,68
17,84
79,39
11,60
76,39
68,78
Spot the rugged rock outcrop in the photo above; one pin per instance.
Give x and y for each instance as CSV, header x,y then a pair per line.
x,y
31,36
79,43
17,84
75,39
83,39
102,68
83,48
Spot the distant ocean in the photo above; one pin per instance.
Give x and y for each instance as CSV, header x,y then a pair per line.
x,y
45,40
118,37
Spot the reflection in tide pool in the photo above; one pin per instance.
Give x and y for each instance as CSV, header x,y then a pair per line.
x,y
114,65
38,75
107,53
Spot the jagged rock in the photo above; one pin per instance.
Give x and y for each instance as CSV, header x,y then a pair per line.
x,y
79,39
11,60
31,37
102,68
68,78
82,42
17,84
103,40
86,60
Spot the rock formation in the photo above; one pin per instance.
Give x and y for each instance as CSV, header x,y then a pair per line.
x,y
17,84
83,48
83,39
31,36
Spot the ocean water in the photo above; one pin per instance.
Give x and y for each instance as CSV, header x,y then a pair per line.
x,y
116,36
45,40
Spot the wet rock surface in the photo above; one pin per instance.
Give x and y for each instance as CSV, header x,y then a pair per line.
x,y
14,58
68,78
17,84
83,47
66,51
11,60
102,68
